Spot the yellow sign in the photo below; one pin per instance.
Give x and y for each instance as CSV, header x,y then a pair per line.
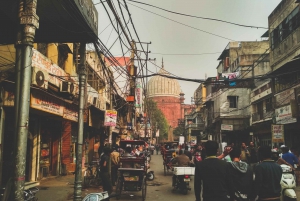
x,y
277,133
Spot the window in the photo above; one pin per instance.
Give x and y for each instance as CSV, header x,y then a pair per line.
x,y
269,106
285,28
233,100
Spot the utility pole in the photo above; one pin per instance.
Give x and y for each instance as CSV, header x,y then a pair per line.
x,y
82,80
29,22
110,127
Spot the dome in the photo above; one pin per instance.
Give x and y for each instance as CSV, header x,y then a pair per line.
x,y
163,86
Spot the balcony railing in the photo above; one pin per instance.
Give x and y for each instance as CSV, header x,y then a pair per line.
x,y
260,116
198,126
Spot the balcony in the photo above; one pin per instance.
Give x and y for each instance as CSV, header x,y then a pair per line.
x,y
262,116
194,126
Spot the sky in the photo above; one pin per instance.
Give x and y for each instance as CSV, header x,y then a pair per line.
x,y
188,52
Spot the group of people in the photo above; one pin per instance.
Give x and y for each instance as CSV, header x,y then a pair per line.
x,y
250,172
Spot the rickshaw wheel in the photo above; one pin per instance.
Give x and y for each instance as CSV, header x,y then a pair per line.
x,y
119,188
144,189
165,170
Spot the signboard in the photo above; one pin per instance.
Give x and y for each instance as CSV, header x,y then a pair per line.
x,y
181,140
226,127
284,97
157,133
46,103
110,118
138,96
284,115
277,133
70,113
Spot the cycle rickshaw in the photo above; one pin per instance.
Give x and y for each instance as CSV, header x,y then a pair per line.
x,y
132,171
168,153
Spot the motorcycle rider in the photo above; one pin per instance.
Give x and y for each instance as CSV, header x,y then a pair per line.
x,y
182,161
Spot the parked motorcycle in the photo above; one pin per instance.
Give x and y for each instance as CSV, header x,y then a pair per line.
x,y
288,184
182,178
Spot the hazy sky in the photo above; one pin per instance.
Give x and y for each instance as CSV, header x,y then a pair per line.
x,y
169,37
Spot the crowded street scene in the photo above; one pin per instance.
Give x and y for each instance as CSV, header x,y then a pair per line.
x,y
149,100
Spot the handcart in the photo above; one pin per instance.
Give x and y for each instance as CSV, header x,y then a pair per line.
x,y
132,171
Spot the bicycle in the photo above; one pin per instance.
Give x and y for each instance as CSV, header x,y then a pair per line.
x,y
91,177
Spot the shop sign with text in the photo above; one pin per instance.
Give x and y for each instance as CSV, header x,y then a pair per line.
x,y
226,127
284,115
46,103
110,118
278,133
70,113
138,96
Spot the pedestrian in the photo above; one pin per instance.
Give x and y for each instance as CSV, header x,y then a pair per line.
x,y
267,177
157,148
214,174
241,177
104,173
289,157
244,153
253,158
115,158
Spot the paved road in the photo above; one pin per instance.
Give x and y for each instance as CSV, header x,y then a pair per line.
x,y
160,188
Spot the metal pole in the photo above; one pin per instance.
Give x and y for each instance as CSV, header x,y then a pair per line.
x,y
29,23
110,128
18,68
82,80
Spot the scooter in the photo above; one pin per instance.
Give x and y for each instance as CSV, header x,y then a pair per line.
x,y
288,184
182,178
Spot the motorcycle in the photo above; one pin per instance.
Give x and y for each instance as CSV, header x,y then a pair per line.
x,y
288,184
182,178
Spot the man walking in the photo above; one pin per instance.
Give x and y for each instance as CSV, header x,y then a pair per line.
x,y
157,148
253,158
267,177
244,153
106,182
213,173
241,177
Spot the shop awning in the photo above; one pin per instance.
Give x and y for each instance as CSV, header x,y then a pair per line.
x,y
60,21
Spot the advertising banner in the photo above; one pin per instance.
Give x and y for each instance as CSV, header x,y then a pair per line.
x,y
138,95
284,115
277,133
110,118
46,103
226,127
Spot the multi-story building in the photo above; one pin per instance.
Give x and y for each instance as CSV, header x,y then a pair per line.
x,y
194,120
284,37
54,111
227,102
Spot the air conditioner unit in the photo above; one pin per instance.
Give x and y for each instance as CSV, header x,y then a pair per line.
x,y
66,87
39,77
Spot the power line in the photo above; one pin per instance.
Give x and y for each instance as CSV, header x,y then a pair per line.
x,y
184,24
185,54
193,16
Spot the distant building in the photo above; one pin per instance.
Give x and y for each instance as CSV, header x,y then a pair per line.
x,y
166,92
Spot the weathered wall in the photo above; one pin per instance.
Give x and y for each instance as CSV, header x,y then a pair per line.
x,y
171,108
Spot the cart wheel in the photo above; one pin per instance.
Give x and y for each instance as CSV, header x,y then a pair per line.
x,y
144,189
119,187
165,170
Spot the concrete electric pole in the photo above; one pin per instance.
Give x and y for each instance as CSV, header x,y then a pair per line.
x,y
29,22
82,81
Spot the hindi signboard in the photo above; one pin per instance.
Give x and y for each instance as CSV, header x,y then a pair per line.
x,y
277,133
110,118
226,127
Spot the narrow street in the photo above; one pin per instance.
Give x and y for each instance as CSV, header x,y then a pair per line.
x,y
161,187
